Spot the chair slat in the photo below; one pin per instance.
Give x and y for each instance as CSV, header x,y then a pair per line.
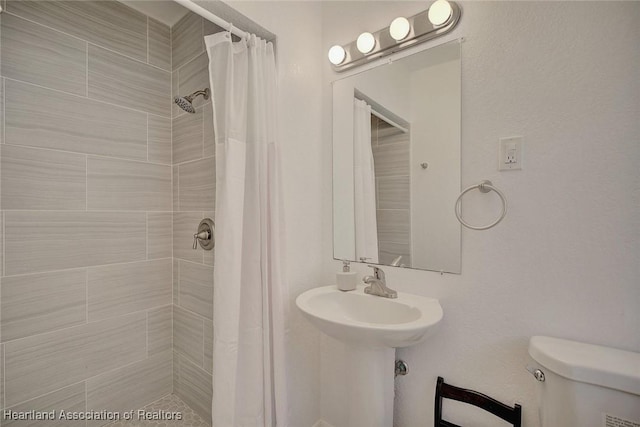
x,y
510,414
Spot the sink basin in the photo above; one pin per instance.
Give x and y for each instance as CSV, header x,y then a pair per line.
x,y
366,320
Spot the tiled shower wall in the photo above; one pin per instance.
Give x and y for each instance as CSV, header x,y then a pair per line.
x,y
193,199
86,198
393,213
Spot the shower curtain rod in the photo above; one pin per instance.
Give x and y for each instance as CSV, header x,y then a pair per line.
x,y
189,4
382,113
388,120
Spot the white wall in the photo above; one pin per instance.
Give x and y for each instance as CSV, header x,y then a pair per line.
x,y
564,262
300,136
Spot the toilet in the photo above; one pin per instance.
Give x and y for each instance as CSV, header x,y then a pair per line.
x,y
585,385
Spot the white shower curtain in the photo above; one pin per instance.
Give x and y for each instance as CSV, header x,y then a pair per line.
x,y
366,224
250,294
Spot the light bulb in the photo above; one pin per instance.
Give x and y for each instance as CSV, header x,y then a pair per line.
x,y
337,55
366,42
440,12
399,28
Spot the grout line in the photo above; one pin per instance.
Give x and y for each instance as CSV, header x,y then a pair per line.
x,y
139,61
96,211
178,186
4,121
146,335
86,267
173,306
173,363
86,183
46,394
148,39
84,40
86,400
146,233
160,116
4,245
4,374
196,263
203,357
200,316
186,162
144,162
82,325
179,110
1,403
77,153
192,59
147,129
203,215
123,107
85,380
4,7
86,89
188,359
202,124
86,287
171,128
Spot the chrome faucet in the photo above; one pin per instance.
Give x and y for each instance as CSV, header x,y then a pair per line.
x,y
378,284
396,262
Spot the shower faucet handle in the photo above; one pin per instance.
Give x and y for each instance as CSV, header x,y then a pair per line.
x,y
203,235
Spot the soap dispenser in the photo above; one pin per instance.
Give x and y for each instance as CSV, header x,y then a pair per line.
x,y
346,279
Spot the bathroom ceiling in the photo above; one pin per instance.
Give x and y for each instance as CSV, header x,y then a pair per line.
x,y
165,11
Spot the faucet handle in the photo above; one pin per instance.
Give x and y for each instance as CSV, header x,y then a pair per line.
x,y
377,272
203,235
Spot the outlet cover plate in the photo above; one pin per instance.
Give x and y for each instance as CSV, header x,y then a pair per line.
x,y
510,153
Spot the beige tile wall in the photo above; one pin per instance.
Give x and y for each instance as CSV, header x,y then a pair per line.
x,y
193,199
391,158
86,314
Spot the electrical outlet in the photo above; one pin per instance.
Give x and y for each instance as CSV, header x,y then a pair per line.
x,y
510,153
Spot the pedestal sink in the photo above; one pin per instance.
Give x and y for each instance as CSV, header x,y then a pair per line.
x,y
372,327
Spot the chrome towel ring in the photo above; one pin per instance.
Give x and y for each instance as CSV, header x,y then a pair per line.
x,y
484,187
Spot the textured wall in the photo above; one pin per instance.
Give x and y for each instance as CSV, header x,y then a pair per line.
x,y
86,203
194,185
564,260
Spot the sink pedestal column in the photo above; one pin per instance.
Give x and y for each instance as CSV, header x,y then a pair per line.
x,y
370,380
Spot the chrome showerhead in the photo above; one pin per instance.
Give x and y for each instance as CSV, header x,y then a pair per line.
x,y
186,102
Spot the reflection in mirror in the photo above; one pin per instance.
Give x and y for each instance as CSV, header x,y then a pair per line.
x,y
396,162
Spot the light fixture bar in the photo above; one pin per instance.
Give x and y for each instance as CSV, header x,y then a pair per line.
x,y
421,30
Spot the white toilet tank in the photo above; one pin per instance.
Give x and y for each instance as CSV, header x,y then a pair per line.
x,y
586,385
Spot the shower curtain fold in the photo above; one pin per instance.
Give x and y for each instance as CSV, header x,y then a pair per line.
x,y
250,293
365,207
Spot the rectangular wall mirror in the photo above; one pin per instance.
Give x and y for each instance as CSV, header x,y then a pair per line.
x,y
396,162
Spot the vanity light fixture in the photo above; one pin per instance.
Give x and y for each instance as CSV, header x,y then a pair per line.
x,y
441,18
440,12
366,42
337,55
399,28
